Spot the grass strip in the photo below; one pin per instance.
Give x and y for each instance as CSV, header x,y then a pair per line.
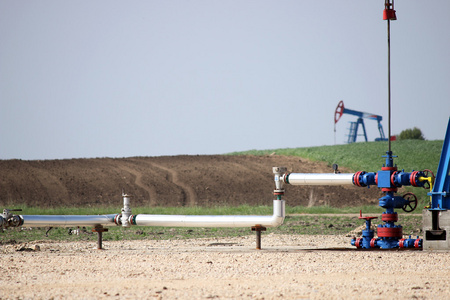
x,y
244,209
302,222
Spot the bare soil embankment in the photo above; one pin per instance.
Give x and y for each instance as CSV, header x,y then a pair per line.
x,y
203,180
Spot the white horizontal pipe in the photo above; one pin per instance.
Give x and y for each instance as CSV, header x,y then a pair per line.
x,y
216,220
67,220
318,179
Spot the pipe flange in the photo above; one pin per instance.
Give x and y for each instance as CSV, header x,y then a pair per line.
x,y
285,177
393,178
356,180
132,219
388,168
418,243
99,229
389,217
278,192
16,221
118,219
413,178
390,232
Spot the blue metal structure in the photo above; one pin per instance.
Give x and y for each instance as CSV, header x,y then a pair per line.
x,y
436,219
440,194
389,179
353,133
367,241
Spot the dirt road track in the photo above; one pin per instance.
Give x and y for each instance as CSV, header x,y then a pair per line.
x,y
288,267
204,180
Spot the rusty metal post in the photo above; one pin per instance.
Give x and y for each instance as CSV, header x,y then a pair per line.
x,y
258,229
99,229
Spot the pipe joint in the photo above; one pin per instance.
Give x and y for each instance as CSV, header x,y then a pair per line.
x,y
126,210
278,177
363,179
7,219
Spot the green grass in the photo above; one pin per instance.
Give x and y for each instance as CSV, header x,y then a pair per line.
x,y
244,209
411,155
300,220
297,224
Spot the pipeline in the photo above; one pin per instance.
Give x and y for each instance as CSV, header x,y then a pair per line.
x,y
386,178
126,219
275,220
317,179
67,220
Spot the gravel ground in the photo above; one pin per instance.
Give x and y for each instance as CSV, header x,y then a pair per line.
x,y
288,267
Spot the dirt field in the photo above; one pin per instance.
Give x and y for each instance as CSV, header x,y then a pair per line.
x,y
288,267
167,181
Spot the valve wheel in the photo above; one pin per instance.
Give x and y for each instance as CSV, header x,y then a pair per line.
x,y
412,202
427,173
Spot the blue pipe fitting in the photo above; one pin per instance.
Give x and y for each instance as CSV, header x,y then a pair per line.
x,y
368,179
387,243
390,201
410,243
367,235
407,178
364,179
389,159
384,179
389,180
401,178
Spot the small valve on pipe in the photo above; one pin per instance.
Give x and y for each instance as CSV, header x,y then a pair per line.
x,y
126,210
279,172
335,169
7,219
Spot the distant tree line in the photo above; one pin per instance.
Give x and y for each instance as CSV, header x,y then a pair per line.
x,y
411,134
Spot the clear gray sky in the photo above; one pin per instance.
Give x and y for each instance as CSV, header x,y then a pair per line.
x,y
110,78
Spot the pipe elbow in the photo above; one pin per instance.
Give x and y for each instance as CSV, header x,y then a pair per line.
x,y
279,213
277,221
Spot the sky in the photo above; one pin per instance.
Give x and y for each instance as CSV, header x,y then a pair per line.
x,y
110,78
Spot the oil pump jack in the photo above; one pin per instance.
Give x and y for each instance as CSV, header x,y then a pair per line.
x,y
353,133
